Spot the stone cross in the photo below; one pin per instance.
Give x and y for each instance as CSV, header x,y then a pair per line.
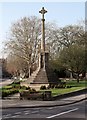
x,y
43,11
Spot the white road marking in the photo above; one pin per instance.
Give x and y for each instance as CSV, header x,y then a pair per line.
x,y
17,113
63,113
26,111
51,108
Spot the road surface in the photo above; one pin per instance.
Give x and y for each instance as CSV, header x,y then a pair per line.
x,y
77,110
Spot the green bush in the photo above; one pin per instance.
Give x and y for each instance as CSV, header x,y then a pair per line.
x,y
56,86
32,90
6,93
68,86
7,87
43,87
23,87
28,91
48,87
10,89
31,94
61,85
14,85
52,86
28,88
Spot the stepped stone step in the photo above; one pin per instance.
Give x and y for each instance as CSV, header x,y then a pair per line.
x,y
45,76
41,77
33,75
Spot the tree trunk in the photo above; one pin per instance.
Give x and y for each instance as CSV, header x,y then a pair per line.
x,y
29,71
71,76
77,77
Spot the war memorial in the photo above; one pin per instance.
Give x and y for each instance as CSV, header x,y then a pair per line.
x,y
43,75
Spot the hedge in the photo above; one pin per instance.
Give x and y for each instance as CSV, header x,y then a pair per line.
x,y
5,93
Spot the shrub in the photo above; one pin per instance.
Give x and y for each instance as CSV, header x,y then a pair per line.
x,y
68,86
14,85
52,86
59,85
56,86
23,87
43,87
7,87
31,95
48,87
28,88
5,93
32,90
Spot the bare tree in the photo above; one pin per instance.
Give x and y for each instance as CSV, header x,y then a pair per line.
x,y
58,38
24,39
51,39
68,35
16,66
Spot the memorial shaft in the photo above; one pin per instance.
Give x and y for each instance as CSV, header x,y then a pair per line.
x,y
43,11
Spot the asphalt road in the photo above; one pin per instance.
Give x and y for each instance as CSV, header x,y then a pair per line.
x,y
78,110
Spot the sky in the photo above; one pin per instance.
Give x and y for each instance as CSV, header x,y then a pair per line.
x,y
62,13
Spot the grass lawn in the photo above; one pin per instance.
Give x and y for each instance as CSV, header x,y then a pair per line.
x,y
73,83
74,87
64,90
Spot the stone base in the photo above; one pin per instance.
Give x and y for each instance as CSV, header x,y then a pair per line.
x,y
44,76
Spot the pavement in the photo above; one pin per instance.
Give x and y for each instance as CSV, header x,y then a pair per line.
x,y
16,103
4,82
